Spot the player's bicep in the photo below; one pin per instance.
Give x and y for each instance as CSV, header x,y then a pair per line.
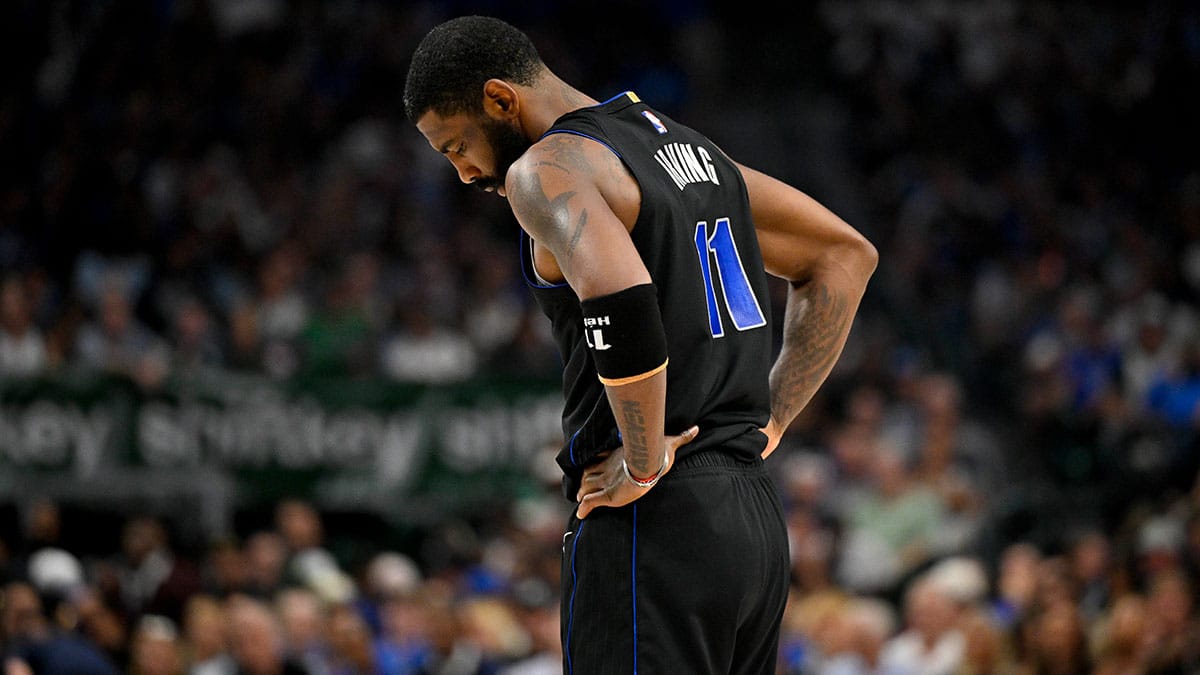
x,y
795,232
556,200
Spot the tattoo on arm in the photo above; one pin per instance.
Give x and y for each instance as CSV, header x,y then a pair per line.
x,y
551,219
815,326
575,236
633,436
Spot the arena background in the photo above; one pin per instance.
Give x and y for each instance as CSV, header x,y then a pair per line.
x,y
249,319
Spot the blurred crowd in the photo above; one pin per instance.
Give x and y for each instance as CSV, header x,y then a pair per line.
x,y
278,601
1001,475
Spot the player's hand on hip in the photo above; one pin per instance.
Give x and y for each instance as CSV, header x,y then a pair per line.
x,y
774,433
605,484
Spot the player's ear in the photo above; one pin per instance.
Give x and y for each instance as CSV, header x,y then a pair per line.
x,y
500,100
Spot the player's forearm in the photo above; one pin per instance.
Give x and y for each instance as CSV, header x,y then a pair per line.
x,y
639,409
816,323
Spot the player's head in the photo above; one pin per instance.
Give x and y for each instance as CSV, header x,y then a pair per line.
x,y
455,59
459,92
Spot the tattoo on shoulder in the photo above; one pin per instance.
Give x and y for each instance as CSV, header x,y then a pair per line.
x,y
552,219
564,149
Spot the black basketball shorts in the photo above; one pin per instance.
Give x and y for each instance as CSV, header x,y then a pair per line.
x,y
690,579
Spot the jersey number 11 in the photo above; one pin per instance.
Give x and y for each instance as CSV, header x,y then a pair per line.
x,y
740,302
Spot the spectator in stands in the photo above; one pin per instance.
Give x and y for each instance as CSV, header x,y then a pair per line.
x,y
537,608
155,649
41,528
890,529
1151,349
1089,556
495,307
528,352
931,641
266,555
306,627
1158,546
339,338
424,350
986,649
115,341
1174,397
225,569
244,350
205,637
34,642
308,563
405,640
153,580
1015,588
351,648
1053,641
195,342
855,641
256,639
102,623
388,575
490,632
1055,585
1173,636
22,346
283,308
1118,641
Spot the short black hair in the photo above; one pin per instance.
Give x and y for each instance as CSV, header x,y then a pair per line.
x,y
456,58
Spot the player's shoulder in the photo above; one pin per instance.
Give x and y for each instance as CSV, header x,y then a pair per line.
x,y
559,157
565,151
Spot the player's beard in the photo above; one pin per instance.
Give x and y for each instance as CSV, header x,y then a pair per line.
x,y
508,144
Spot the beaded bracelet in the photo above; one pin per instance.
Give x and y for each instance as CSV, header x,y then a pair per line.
x,y
646,482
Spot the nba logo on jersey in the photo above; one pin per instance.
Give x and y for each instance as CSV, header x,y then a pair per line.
x,y
658,125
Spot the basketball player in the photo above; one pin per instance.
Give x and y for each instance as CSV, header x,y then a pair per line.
x,y
648,248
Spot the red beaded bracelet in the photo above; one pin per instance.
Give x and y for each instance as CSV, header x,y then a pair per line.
x,y
646,482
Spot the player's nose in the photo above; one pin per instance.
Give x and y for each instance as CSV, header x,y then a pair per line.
x,y
467,172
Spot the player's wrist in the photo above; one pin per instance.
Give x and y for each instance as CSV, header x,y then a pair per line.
x,y
648,481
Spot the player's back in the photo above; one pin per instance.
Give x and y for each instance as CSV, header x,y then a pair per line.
x,y
696,237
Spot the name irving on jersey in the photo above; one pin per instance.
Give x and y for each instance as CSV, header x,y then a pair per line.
x,y
687,165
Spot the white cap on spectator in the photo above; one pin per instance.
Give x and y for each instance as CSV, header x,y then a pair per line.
x,y
1160,533
393,574
54,570
319,571
158,627
961,578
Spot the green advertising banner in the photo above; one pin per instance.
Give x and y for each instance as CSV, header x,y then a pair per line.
x,y
228,440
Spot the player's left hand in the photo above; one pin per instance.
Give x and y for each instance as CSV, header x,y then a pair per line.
x,y
604,483
773,432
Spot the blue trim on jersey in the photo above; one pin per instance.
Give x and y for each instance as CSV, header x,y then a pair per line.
x,y
633,583
527,257
571,607
624,93
571,447
580,133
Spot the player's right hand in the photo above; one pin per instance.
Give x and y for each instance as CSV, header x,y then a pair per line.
x,y
604,483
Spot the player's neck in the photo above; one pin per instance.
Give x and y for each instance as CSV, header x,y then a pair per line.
x,y
549,99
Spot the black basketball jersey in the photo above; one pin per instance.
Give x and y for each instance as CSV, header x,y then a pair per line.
x,y
696,238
